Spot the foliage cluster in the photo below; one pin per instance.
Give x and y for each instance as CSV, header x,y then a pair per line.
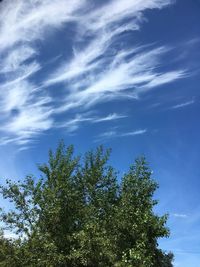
x,y
78,214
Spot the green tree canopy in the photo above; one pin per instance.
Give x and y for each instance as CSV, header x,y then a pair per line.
x,y
78,213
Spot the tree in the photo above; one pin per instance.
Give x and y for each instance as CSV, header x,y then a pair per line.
x,y
79,214
7,251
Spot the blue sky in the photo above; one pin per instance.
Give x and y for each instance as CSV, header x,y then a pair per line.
x,y
123,73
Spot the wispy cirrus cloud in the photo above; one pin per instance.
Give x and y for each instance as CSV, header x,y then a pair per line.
x,y
116,134
137,132
184,104
73,124
116,11
180,215
27,21
127,74
25,110
100,66
110,117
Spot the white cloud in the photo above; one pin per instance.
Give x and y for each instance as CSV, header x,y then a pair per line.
x,y
107,135
101,67
117,11
137,132
110,117
179,215
130,76
99,72
25,109
164,78
184,104
28,124
27,21
115,134
73,124
14,59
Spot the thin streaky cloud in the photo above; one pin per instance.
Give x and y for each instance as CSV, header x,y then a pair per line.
x,y
137,132
116,134
180,215
106,135
184,104
73,124
110,117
